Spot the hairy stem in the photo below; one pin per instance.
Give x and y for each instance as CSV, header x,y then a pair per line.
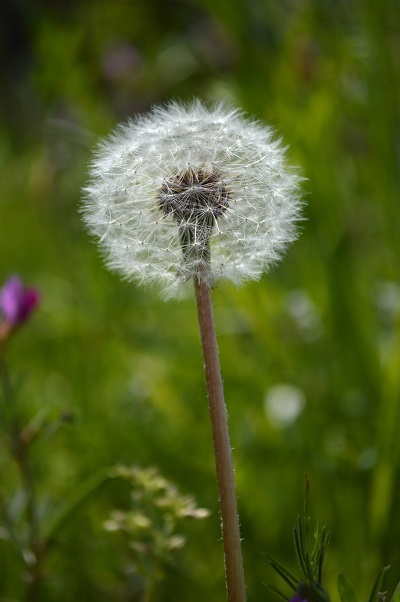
x,y
222,449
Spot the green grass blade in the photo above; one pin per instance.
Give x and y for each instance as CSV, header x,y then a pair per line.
x,y
345,590
378,584
283,573
277,591
396,595
301,546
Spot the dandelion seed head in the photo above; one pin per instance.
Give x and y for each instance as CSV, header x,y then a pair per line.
x,y
189,184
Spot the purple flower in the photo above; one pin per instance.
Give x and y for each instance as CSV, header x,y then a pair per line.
x,y
300,595
17,302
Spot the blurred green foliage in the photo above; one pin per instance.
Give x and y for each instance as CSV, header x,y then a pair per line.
x,y
128,366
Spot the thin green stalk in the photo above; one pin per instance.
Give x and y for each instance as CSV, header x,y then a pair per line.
x,y
222,449
148,593
34,570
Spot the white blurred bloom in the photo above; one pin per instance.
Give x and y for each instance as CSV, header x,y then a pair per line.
x,y
188,185
304,312
283,404
387,298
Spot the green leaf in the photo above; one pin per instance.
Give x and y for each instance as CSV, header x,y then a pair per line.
x,y
322,542
396,595
282,572
345,590
301,545
77,499
277,591
313,592
375,593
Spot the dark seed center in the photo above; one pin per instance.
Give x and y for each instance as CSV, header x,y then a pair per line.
x,y
194,196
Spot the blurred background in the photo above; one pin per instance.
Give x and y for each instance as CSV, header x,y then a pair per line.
x,y
310,354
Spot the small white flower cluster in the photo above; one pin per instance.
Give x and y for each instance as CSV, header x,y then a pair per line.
x,y
187,184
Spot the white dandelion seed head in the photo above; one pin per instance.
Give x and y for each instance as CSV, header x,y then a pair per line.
x,y
186,185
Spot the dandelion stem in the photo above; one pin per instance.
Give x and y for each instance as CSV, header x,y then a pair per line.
x,y
222,449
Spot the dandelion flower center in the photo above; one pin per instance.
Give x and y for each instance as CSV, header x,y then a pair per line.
x,y
194,196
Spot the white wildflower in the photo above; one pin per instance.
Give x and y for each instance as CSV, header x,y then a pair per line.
x,y
283,404
189,185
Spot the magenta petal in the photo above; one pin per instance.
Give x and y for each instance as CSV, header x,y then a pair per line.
x,y
17,303
29,302
10,299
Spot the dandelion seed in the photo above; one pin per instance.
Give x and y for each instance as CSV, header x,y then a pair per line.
x,y
189,186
